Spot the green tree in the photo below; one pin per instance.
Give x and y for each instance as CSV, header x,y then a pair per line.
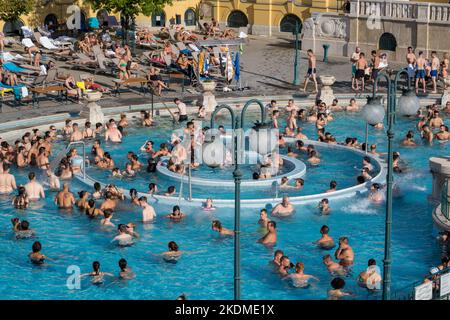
x,y
129,9
11,10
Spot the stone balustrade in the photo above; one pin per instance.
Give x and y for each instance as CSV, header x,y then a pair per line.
x,y
403,10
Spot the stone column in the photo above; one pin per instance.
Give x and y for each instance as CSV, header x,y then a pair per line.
x,y
440,169
326,92
209,100
92,111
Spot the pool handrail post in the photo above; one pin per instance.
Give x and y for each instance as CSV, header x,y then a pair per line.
x,y
388,218
366,140
391,107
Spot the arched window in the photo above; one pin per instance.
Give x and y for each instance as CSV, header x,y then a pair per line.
x,y
190,18
237,19
102,16
159,19
387,42
289,22
51,20
12,28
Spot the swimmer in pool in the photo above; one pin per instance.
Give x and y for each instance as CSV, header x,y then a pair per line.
x,y
336,292
263,219
148,213
333,267
283,209
324,206
176,214
7,180
217,226
22,228
106,221
130,230
375,194
344,253
125,272
371,277
36,256
109,202
299,278
276,261
270,238
65,199
112,133
134,197
209,205
333,187
173,253
313,158
96,274
285,265
325,241
53,181
34,189
123,238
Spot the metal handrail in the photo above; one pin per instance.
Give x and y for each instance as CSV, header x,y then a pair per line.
x,y
407,292
55,162
445,200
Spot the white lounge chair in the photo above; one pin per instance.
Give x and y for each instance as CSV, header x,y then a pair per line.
x,y
28,43
48,44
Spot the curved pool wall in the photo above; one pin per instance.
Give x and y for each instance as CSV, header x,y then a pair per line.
x,y
339,194
298,171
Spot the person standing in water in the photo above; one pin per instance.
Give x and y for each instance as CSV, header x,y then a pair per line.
x,y
271,235
34,189
65,199
325,242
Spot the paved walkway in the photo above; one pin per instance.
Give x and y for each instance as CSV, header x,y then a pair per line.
x,y
267,69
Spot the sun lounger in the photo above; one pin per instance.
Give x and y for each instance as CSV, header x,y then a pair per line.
x,y
130,81
48,44
28,43
11,66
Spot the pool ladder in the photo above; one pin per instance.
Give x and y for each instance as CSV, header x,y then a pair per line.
x,y
189,184
55,162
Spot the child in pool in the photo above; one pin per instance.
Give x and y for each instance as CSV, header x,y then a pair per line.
x,y
36,256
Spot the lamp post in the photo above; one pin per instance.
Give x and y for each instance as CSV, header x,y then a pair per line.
x,y
373,112
237,122
296,81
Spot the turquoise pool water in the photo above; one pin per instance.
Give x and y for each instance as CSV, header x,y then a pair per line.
x,y
206,271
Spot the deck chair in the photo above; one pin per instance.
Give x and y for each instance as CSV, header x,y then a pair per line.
x,y
172,34
103,65
175,49
193,47
12,67
26,42
181,46
97,50
48,44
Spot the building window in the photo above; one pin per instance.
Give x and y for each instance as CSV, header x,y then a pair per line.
x,y
159,19
51,21
289,22
12,28
190,18
102,16
237,19
387,42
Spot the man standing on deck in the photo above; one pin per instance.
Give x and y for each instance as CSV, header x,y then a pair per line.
x,y
411,61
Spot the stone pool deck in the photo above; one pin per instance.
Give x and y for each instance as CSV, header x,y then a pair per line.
x,y
267,69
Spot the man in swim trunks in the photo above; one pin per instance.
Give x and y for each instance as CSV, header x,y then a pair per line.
x,y
443,134
76,135
285,208
7,180
311,70
436,121
271,236
361,66
344,253
34,189
411,61
375,66
65,199
148,213
112,133
434,70
332,266
325,240
354,58
420,72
